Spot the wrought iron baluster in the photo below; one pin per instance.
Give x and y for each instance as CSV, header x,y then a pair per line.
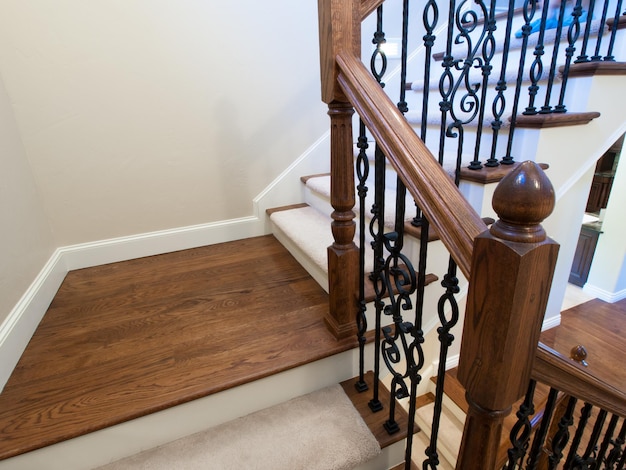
x,y
589,457
446,82
377,229
522,429
618,448
362,170
378,62
542,432
583,57
547,108
529,10
536,69
572,36
585,413
488,50
499,103
597,55
609,54
402,104
451,284
608,437
560,439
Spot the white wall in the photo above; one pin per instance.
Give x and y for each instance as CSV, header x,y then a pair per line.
x,y
143,115
25,237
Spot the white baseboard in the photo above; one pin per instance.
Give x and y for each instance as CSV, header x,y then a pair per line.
x,y
610,297
22,321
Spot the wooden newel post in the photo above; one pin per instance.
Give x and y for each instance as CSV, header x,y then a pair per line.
x,y
340,30
511,275
343,254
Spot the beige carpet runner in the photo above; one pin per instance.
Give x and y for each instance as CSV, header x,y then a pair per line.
x,y
318,431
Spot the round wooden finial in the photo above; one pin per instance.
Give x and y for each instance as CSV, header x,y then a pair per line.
x,y
522,200
579,354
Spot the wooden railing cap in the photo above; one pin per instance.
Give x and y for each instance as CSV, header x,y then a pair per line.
x,y
522,200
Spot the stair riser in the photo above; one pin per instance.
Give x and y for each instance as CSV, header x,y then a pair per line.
x,y
101,447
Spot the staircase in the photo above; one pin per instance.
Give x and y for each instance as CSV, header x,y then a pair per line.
x,y
289,352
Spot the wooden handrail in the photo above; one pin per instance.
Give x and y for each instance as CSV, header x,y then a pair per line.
x,y
368,6
456,221
565,375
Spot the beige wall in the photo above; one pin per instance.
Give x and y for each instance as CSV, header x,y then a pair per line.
x,y
25,237
142,115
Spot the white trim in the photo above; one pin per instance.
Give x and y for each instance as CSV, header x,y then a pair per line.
x,y
551,322
610,297
164,241
19,326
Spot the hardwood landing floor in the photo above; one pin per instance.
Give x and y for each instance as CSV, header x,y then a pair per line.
x,y
127,339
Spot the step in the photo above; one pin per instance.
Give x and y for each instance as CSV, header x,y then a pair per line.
x,y
318,431
135,354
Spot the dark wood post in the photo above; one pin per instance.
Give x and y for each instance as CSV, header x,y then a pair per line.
x,y
511,275
340,29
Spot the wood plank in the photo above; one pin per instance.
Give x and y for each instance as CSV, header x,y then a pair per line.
x,y
376,420
127,339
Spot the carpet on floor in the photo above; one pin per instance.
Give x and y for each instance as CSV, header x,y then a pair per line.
x,y
317,431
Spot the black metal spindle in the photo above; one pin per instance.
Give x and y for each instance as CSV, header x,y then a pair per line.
x,y
609,54
618,447
451,284
377,230
542,432
499,103
597,55
362,170
589,457
402,104
529,10
521,430
536,69
561,437
547,108
488,50
608,438
572,36
583,57
585,413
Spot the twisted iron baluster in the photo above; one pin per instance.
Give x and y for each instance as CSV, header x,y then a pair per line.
x,y
377,231
451,283
583,57
588,460
522,429
608,438
560,439
529,9
499,103
536,69
616,451
585,413
542,432
597,56
609,54
572,36
547,108
362,170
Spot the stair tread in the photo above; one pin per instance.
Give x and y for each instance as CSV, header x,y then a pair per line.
x,y
127,339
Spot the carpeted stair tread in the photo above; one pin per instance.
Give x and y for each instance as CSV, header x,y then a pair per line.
x,y
318,431
450,431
